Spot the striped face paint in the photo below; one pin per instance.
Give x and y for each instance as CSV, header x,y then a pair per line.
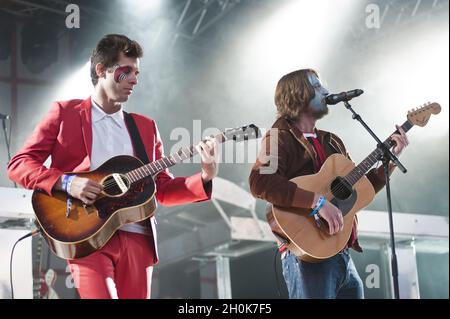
x,y
122,73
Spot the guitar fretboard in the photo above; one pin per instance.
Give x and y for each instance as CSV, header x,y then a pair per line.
x,y
165,162
360,170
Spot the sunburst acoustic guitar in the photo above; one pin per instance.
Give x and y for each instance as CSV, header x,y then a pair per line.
x,y
128,196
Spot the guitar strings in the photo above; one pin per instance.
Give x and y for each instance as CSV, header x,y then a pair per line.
x,y
113,183
171,159
337,188
340,186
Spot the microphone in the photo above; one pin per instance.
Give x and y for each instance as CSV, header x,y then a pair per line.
x,y
4,116
344,96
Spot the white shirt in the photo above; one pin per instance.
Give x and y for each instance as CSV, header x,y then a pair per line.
x,y
110,138
306,135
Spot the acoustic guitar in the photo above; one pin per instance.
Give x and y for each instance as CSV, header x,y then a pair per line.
x,y
74,230
343,184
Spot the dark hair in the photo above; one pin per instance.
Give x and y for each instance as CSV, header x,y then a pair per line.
x,y
293,94
108,49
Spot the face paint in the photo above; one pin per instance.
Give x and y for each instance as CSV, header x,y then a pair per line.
x,y
318,105
122,73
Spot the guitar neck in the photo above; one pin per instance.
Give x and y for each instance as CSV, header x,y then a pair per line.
x,y
360,170
154,168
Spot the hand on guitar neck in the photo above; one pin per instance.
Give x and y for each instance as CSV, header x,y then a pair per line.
x,y
331,214
81,188
401,141
209,153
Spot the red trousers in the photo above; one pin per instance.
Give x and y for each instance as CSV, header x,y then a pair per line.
x,y
121,269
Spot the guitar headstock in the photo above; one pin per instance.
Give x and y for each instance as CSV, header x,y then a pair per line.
x,y
242,133
421,115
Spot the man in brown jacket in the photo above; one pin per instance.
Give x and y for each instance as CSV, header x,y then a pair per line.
x,y
301,150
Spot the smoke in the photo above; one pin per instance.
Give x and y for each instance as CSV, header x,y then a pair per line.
x,y
226,78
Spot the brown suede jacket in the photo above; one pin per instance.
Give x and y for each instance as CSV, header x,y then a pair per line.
x,y
295,158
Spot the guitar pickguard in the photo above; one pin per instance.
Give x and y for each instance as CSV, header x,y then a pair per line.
x,y
347,204
139,193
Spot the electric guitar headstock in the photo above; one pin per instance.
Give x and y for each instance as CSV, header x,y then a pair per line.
x,y
421,115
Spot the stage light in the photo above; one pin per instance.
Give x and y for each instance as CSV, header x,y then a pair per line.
x,y
300,34
143,9
142,5
78,86
39,45
415,71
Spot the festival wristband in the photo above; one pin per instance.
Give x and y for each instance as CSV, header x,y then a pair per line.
x,y
66,182
319,204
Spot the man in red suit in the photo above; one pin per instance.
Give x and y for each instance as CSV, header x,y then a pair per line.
x,y
79,136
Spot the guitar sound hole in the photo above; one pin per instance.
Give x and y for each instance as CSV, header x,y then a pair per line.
x,y
111,186
341,189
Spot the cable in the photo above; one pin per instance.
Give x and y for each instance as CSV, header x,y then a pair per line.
x,y
32,233
276,272
8,139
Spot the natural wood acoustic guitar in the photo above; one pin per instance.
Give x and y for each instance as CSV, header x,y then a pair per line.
x,y
343,184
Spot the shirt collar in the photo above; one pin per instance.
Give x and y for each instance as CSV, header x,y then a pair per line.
x,y
310,135
98,114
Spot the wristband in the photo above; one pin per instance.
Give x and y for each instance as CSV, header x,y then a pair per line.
x,y
66,182
319,204
65,185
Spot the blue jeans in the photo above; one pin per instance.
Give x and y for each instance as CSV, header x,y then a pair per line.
x,y
334,278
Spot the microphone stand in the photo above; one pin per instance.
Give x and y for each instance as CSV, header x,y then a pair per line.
x,y
5,131
385,157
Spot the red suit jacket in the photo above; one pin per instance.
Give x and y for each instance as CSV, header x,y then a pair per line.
x,y
65,134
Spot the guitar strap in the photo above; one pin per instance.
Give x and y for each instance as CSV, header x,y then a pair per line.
x,y
136,139
139,150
